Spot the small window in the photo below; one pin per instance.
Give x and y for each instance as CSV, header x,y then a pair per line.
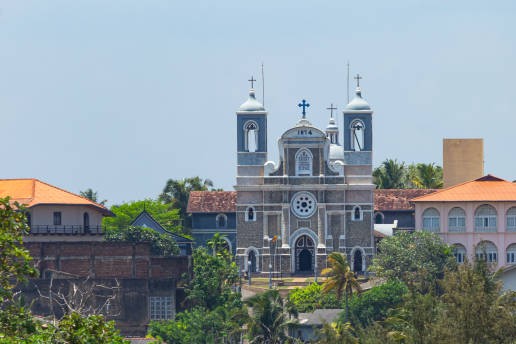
x,y
161,308
221,221
431,220
357,214
250,214
378,218
57,218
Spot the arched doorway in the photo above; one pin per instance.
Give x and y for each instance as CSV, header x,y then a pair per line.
x,y
86,222
251,258
357,261
305,252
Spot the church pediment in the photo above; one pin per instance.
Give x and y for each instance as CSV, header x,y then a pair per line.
x,y
303,132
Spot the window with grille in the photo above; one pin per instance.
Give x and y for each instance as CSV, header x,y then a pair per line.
x,y
485,219
161,308
511,220
431,220
457,220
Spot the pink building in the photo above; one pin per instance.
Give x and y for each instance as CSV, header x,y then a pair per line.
x,y
477,217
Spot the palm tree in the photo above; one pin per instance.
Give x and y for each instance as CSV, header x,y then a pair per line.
x,y
91,195
428,176
390,175
270,318
218,244
340,278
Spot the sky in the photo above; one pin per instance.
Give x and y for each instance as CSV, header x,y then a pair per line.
x,y
120,96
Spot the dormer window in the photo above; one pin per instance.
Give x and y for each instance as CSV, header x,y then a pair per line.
x,y
251,136
357,135
304,162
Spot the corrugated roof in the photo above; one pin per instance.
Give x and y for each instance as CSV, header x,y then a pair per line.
x,y
397,199
487,188
212,202
33,192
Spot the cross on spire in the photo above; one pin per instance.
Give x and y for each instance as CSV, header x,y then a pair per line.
x,y
252,80
357,78
304,105
331,108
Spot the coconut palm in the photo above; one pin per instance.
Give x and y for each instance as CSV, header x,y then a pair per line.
x,y
428,176
218,245
270,318
390,175
340,278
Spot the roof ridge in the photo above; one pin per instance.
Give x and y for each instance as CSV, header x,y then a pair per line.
x,y
71,193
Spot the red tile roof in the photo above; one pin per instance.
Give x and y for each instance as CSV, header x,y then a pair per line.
x,y
487,188
212,202
397,199
33,192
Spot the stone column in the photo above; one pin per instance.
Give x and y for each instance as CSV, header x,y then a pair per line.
x,y
285,233
321,226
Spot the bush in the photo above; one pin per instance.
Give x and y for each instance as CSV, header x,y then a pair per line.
x,y
311,297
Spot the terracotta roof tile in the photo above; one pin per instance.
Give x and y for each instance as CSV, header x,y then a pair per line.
x,y
212,202
33,192
487,188
397,199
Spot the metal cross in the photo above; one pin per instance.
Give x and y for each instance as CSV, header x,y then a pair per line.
x,y
252,80
304,105
357,78
331,108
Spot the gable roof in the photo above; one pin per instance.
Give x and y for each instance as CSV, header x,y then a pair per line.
x,y
31,192
487,188
212,202
145,219
397,199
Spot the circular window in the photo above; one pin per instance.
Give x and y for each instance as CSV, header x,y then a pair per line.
x,y
304,204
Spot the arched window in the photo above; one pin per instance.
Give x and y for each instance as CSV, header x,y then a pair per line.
x,y
357,213
459,252
357,135
221,221
251,136
485,219
304,162
378,218
487,251
456,220
431,220
511,254
250,214
511,220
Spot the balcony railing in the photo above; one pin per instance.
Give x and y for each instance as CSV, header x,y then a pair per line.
x,y
66,229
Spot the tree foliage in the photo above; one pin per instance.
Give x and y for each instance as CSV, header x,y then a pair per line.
x,y
270,318
125,213
418,259
311,297
92,196
162,244
392,174
15,260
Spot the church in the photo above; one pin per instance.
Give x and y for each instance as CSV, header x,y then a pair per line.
x,y
291,214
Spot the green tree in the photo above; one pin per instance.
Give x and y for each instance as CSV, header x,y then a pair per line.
x,y
426,176
176,194
340,278
218,245
375,304
391,174
15,260
336,333
311,297
125,213
270,318
76,329
162,244
92,196
418,259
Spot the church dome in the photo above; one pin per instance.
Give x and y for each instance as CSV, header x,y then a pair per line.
x,y
358,103
251,104
332,125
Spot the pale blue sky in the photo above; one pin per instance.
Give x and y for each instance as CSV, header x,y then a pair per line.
x,y
120,96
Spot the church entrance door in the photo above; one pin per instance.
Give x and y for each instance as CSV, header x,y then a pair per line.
x,y
252,258
357,261
305,252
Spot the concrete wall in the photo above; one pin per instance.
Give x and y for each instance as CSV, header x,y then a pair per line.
x,y
463,160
